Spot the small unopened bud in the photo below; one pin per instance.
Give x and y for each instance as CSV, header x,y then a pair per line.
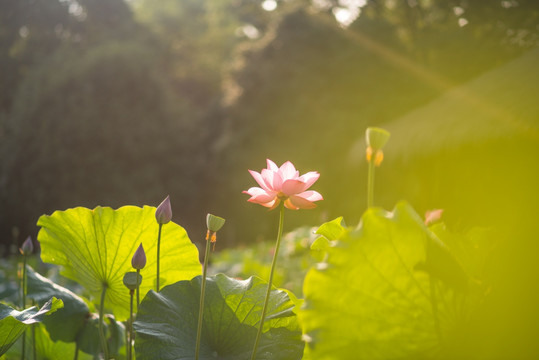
x,y
377,137
132,279
27,246
139,259
214,223
163,213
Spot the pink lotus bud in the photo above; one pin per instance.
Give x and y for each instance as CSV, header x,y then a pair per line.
x,y
27,246
139,259
163,214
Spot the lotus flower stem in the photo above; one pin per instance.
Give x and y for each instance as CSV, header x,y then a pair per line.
x,y
76,356
158,254
202,293
101,319
138,290
268,291
26,249
138,262
23,287
130,341
214,224
163,215
370,185
375,139
23,300
34,341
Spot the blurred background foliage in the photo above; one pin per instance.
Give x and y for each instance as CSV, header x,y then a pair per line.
x,y
115,102
123,102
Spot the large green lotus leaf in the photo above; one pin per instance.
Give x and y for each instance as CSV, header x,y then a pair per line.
x,y
95,248
166,324
384,292
13,323
472,249
74,322
62,325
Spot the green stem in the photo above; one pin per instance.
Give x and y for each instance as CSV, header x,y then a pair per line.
x,y
23,282
126,339
101,319
268,291
202,293
158,253
130,343
370,185
76,351
23,304
138,285
34,341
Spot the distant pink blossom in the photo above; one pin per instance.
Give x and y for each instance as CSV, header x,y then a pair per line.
x,y
432,216
27,246
284,184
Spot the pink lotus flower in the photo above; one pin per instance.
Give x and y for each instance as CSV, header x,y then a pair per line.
x,y
284,184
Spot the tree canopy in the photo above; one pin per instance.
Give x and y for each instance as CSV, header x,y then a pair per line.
x,y
114,102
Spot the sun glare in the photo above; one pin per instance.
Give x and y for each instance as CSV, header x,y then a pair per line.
x,y
348,11
269,5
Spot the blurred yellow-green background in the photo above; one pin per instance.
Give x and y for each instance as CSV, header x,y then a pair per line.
x,y
116,102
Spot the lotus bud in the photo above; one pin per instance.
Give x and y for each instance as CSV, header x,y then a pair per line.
x,y
139,259
163,213
27,246
132,280
377,138
214,223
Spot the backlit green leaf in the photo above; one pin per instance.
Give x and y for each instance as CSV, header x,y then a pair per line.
x,y
166,324
333,229
389,290
95,248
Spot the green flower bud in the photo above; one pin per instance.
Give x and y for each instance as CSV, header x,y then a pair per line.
x,y
214,223
27,246
138,261
377,137
163,213
132,279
